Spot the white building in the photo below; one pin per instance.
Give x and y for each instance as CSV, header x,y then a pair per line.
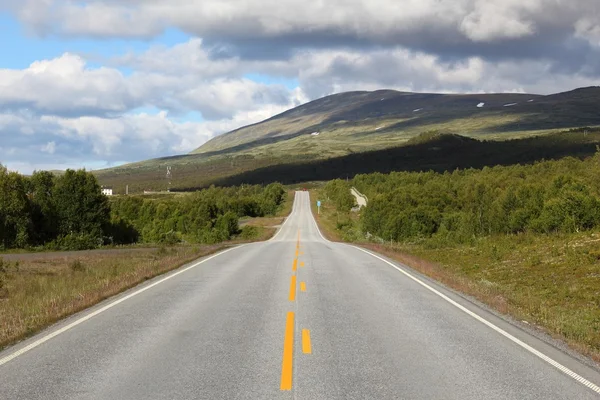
x,y
107,190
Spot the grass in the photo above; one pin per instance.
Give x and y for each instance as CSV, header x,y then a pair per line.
x,y
551,282
436,152
38,289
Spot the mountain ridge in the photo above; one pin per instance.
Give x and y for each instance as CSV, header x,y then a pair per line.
x,y
360,121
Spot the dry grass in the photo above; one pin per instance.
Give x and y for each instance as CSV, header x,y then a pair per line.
x,y
263,222
38,291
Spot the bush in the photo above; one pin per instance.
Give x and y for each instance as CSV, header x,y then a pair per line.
x,y
170,238
249,232
75,241
77,266
550,196
226,226
339,193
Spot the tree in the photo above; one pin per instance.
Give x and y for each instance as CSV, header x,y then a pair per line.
x,y
15,219
81,206
43,210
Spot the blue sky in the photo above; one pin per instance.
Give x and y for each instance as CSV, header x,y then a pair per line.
x,y
97,83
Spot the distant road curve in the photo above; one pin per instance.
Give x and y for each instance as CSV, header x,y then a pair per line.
x,y
361,199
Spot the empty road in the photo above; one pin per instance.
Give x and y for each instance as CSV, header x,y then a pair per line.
x,y
296,317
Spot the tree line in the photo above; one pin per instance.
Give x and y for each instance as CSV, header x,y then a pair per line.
x,y
69,211
206,216
546,197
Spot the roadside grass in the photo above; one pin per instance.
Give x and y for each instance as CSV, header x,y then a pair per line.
x,y
550,282
39,289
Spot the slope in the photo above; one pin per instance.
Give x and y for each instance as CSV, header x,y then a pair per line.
x,y
356,122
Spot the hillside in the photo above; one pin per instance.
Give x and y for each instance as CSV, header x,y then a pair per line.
x,y
356,122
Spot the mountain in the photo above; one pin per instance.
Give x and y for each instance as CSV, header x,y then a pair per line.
x,y
356,122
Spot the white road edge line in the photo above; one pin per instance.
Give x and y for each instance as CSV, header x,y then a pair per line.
x,y
315,222
286,220
524,345
106,307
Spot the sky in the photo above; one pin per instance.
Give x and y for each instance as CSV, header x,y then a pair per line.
x,y
99,83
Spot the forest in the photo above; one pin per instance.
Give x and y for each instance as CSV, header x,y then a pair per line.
x,y
69,212
460,206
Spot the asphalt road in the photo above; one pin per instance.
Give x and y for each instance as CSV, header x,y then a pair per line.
x,y
337,323
361,200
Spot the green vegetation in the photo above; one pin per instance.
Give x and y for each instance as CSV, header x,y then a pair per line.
x,y
339,192
547,197
37,289
207,216
351,124
522,238
68,212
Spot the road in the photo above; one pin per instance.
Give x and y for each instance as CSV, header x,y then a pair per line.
x,y
297,317
361,200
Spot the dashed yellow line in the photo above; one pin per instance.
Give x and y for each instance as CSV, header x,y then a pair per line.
x,y
302,286
302,263
288,353
306,347
293,288
295,265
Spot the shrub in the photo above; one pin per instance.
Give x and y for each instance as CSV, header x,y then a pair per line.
x,y
77,266
75,241
249,232
170,238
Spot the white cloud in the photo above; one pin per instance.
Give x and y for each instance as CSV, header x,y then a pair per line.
x,y
376,20
498,20
49,147
588,28
62,107
65,85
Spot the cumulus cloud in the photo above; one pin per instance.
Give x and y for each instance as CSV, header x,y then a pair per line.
x,y
64,86
62,107
49,147
378,21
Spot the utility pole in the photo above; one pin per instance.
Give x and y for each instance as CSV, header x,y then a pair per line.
x,y
168,178
127,190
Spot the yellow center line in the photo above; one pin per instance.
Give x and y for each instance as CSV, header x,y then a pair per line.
x,y
306,347
302,263
302,286
293,288
288,353
295,265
